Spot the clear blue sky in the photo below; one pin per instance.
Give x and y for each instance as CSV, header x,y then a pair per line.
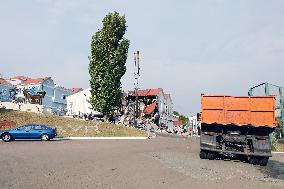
x,y
188,47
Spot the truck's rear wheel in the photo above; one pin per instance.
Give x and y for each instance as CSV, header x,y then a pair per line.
x,y
211,155
202,154
263,161
243,158
253,160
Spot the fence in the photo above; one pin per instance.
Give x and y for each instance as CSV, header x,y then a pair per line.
x,y
267,89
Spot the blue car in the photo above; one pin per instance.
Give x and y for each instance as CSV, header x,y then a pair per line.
x,y
29,131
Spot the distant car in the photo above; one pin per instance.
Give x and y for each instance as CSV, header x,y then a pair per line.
x,y
29,131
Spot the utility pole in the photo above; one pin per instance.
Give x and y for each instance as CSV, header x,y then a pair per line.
x,y
136,85
281,108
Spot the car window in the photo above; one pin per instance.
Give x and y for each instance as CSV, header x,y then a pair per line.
x,y
44,127
38,127
28,127
21,128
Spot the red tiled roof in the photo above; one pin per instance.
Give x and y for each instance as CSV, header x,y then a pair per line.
x,y
177,123
35,81
26,80
3,81
146,92
150,108
76,90
23,78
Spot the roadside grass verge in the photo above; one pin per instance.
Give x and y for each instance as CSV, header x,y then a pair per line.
x,y
280,147
69,127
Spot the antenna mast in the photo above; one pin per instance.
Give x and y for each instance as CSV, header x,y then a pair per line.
x,y
136,84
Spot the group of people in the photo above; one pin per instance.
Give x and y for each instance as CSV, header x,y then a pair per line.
x,y
89,116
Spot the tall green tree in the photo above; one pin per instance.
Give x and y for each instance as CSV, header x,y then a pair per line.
x,y
109,51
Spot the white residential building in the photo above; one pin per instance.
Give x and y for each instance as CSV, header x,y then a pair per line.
x,y
78,103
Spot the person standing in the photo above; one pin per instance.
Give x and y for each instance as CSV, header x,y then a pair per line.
x,y
148,127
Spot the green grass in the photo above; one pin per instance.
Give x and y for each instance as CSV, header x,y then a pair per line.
x,y
69,127
280,147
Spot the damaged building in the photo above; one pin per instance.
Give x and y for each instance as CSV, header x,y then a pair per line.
x,y
153,104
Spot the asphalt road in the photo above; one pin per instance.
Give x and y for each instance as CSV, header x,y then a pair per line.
x,y
163,162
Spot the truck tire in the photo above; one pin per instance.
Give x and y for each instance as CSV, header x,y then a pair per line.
x,y
263,161
211,155
243,158
202,154
253,160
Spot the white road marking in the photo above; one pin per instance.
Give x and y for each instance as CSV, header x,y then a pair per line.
x,y
105,138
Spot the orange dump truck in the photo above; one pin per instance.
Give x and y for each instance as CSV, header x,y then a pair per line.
x,y
237,126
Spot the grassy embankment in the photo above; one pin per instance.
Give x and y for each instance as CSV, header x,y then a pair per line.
x,y
280,147
67,127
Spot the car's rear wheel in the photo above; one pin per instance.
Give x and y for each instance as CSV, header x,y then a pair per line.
x,y
6,137
44,137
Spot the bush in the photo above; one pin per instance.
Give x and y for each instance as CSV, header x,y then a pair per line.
x,y
274,142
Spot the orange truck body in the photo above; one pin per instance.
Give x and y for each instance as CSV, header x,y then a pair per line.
x,y
256,111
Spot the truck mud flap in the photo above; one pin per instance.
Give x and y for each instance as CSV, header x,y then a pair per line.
x,y
208,141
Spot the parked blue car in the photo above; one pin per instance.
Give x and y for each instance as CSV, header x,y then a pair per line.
x,y
30,131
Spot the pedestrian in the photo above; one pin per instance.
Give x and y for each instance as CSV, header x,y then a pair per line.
x,y
19,104
198,131
148,127
38,109
113,119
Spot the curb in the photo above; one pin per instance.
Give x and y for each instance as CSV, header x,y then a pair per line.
x,y
173,135
105,138
278,152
